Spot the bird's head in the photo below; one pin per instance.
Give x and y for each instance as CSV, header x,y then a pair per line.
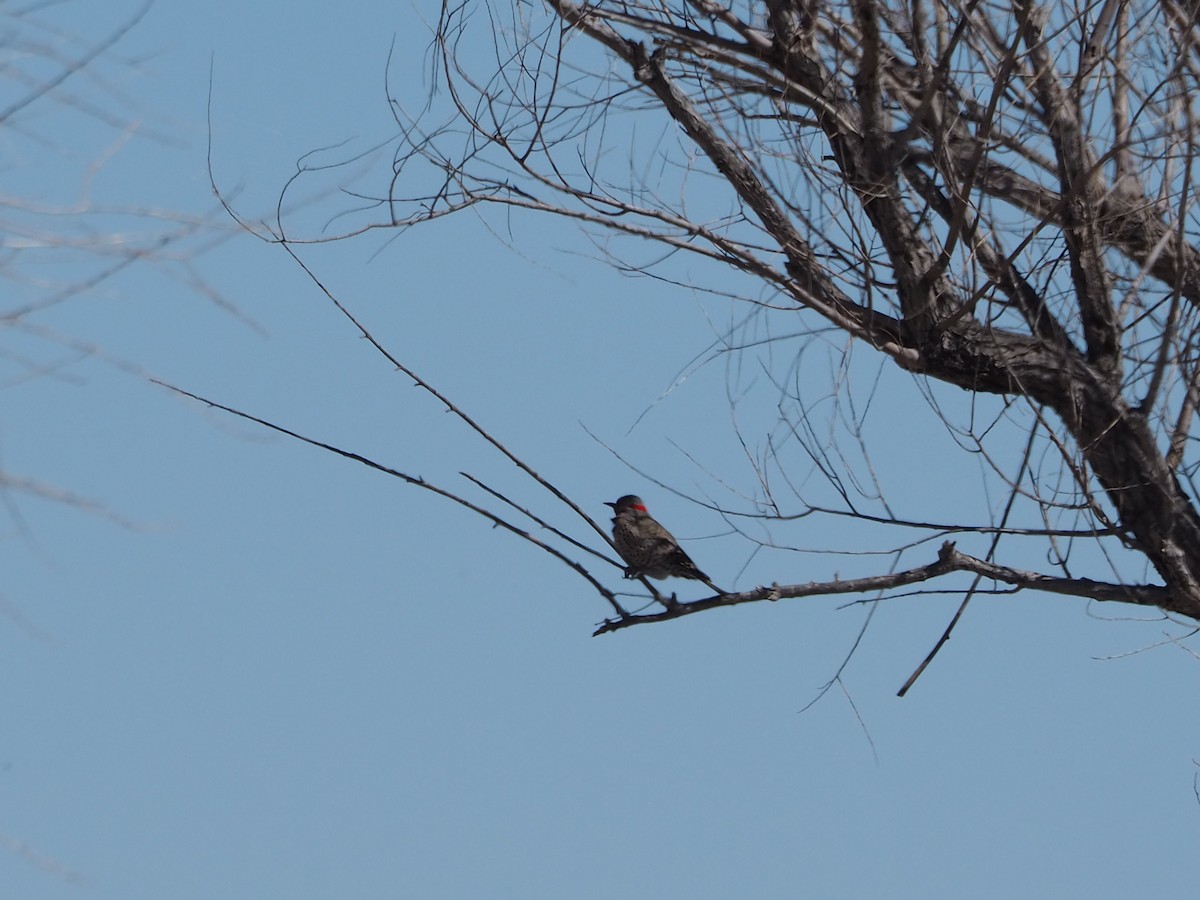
x,y
629,501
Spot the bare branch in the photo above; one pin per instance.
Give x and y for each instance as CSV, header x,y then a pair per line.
x,y
415,481
949,560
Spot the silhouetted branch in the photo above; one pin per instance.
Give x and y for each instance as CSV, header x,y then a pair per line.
x,y
949,560
415,481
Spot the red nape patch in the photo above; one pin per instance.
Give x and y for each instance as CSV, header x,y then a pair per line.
x,y
640,508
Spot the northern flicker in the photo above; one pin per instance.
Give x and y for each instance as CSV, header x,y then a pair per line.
x,y
648,548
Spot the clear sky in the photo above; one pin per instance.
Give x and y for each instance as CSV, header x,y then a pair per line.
x,y
273,673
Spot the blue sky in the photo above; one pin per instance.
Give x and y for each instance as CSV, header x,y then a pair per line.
x,y
283,675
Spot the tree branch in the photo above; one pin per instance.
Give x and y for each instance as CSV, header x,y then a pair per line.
x,y
949,560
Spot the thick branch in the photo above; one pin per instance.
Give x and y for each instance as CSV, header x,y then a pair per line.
x,y
1081,205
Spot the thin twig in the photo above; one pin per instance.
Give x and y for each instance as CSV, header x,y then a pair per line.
x,y
416,482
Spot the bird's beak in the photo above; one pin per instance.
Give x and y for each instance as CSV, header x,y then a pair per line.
x,y
613,505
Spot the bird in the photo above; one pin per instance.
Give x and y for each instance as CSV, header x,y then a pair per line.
x,y
647,548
